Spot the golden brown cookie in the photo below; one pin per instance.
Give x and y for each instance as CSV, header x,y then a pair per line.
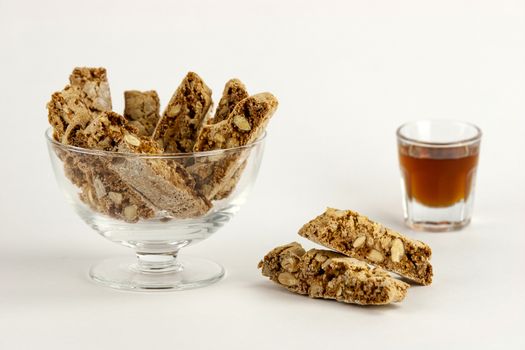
x,y
244,125
233,93
177,129
329,275
141,109
357,236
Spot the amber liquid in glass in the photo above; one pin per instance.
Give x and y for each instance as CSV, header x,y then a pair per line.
x,y
438,177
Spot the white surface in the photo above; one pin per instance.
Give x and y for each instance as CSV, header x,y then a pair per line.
x,y
347,74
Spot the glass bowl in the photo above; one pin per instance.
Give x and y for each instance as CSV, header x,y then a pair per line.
x,y
122,197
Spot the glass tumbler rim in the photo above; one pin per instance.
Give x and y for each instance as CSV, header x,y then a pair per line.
x,y
460,142
75,149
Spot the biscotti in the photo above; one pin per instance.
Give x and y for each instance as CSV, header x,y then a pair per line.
x,y
141,109
104,191
93,86
176,130
87,96
230,183
357,236
102,188
126,188
329,275
233,93
168,187
66,108
70,111
244,125
117,182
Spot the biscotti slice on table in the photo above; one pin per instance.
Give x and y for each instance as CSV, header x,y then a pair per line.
x,y
357,236
168,187
176,130
142,110
330,275
233,93
244,125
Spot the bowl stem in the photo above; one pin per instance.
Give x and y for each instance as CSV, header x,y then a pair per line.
x,y
158,262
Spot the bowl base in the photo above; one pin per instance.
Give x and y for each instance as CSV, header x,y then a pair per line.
x,y
124,274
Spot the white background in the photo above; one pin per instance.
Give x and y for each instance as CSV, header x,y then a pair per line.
x,y
346,74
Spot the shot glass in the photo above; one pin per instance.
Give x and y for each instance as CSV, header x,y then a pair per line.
x,y
438,161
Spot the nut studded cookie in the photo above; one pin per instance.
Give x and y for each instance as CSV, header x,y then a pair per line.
x,y
216,177
141,109
176,130
105,192
244,125
94,87
168,187
65,108
231,182
69,111
78,103
101,187
357,236
329,275
233,93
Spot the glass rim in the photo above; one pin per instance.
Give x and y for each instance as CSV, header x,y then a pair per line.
x,y
461,142
49,138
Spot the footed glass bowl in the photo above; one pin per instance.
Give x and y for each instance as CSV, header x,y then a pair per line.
x,y
156,205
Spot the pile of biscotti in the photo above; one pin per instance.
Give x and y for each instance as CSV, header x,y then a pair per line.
x,y
133,188
345,274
